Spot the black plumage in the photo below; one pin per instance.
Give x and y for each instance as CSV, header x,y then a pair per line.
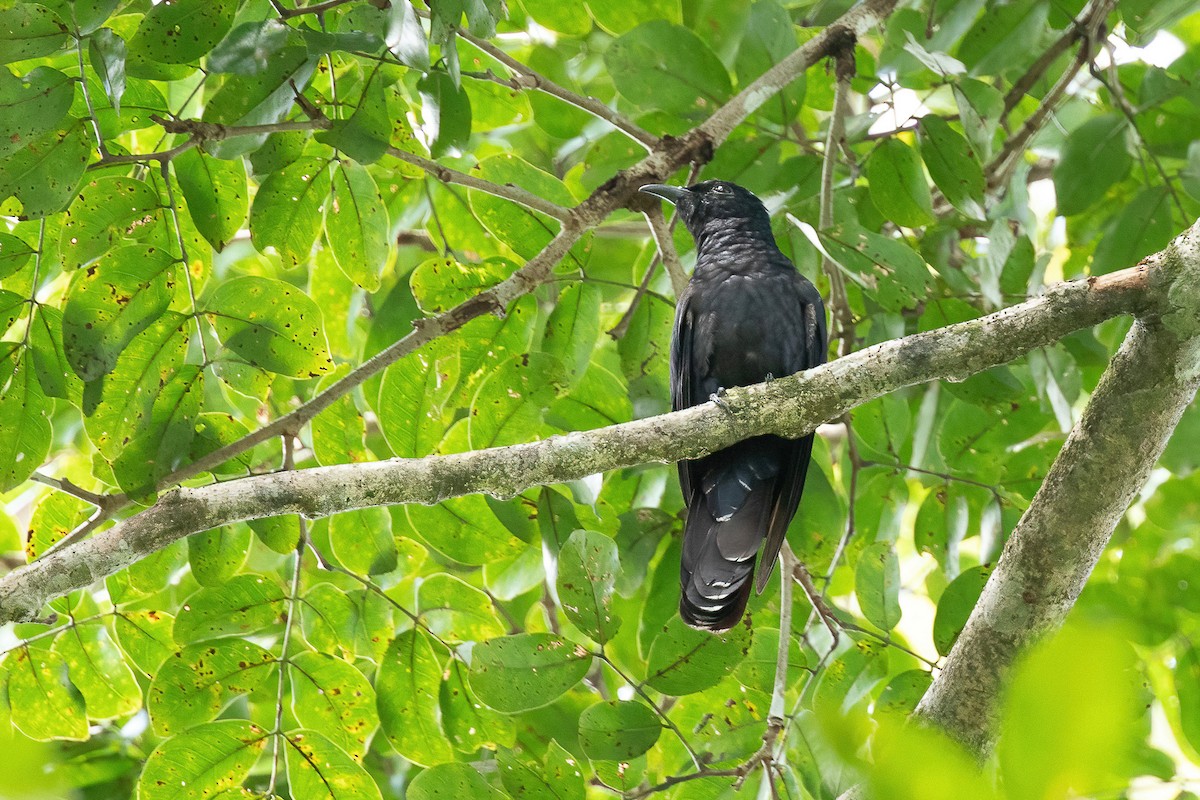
x,y
746,315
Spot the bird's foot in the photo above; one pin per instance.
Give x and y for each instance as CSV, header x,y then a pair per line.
x,y
718,397
770,377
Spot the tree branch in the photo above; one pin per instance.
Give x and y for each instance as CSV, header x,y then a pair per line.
x,y
1124,428
790,406
668,156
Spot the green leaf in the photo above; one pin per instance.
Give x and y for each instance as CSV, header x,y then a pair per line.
x,y
463,529
530,780
317,768
898,186
331,695
618,730
356,225
367,134
338,430
215,555
524,230
469,724
272,325
1143,226
57,514
407,690
528,670
877,585
260,99
114,301
573,328
42,705
683,660
194,684
903,692
1187,687
281,534
25,415
980,107
455,611
150,362
953,165
250,47
1095,156
405,36
98,670
29,30
108,209
446,109
207,761
955,606
215,430
894,274
183,30
164,439
588,568
286,214
757,669
451,780
12,308
362,541
49,357
770,37
243,604
333,618
1006,38
216,194
14,255
1051,726
31,105
46,173
508,408
107,53
659,65
412,400
439,284
145,637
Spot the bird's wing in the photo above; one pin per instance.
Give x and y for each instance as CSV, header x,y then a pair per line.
x,y
790,484
682,375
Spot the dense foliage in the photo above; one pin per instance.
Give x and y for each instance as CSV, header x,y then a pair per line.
x,y
216,210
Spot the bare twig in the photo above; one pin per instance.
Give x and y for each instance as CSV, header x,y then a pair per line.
x,y
1001,167
666,248
506,190
66,486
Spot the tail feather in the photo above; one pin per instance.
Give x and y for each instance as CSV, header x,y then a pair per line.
x,y
719,553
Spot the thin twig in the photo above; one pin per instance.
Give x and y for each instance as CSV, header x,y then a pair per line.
x,y
666,248
1001,167
165,167
801,576
506,190
66,486
843,315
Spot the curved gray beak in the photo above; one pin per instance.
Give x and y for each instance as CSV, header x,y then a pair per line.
x,y
669,193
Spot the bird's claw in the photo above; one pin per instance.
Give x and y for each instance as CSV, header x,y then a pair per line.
x,y
718,397
770,377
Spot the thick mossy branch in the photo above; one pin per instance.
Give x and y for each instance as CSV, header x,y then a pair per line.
x,y
1101,468
791,406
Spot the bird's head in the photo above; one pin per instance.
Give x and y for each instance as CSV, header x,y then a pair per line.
x,y
709,204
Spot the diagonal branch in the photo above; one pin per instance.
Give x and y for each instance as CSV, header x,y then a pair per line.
x,y
1124,428
790,406
670,155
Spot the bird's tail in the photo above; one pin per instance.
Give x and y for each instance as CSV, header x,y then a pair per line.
x,y
718,558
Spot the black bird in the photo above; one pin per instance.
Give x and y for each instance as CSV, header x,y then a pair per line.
x,y
747,315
